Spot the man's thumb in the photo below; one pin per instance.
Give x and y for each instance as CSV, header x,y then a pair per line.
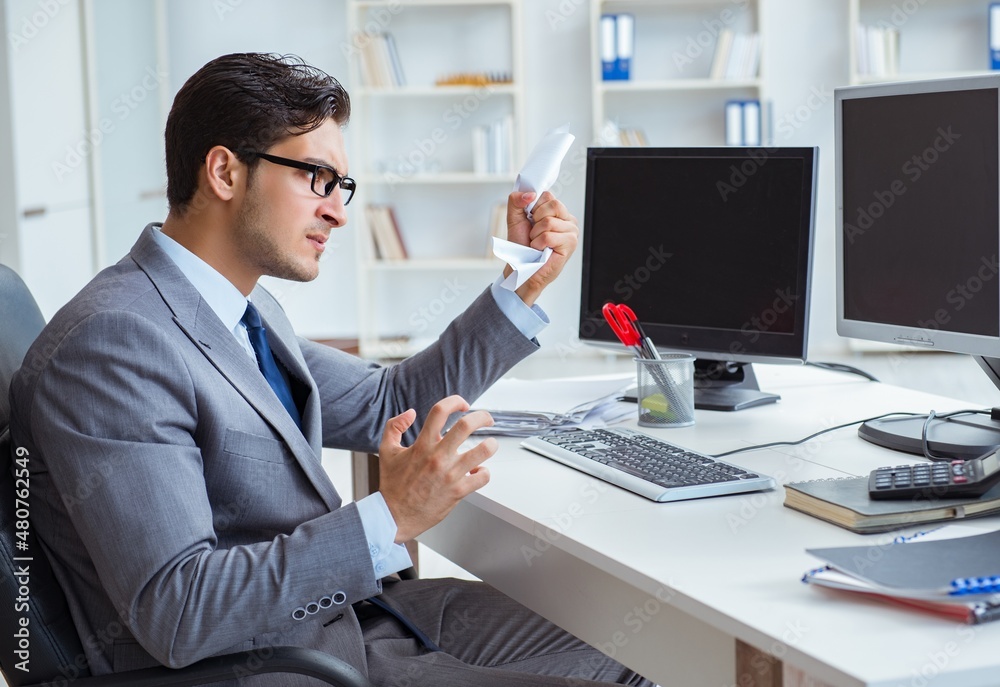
x,y
397,426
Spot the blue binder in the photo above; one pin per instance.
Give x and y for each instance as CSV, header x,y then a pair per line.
x,y
994,36
624,44
609,49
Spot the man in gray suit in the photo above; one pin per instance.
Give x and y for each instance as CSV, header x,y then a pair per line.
x,y
175,422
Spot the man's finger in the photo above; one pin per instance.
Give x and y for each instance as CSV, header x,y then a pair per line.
x,y
438,416
464,428
471,461
395,428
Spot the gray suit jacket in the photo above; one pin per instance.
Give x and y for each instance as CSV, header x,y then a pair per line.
x,y
184,512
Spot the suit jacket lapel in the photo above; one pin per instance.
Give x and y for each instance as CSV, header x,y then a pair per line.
x,y
197,320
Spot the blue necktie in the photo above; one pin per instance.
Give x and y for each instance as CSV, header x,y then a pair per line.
x,y
267,364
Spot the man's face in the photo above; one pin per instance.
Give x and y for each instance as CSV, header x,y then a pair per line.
x,y
282,226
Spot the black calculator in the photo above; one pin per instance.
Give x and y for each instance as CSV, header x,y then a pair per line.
x,y
955,479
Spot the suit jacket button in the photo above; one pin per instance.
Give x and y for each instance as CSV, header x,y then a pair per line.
x,y
339,598
312,607
326,602
299,613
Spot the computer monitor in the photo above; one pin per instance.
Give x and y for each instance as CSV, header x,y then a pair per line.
x,y
711,247
918,228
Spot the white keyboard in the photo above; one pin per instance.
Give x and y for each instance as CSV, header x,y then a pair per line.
x,y
650,467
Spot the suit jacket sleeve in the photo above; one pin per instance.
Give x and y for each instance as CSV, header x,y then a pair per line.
x,y
476,349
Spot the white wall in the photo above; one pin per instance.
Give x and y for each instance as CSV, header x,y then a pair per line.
x,y
806,57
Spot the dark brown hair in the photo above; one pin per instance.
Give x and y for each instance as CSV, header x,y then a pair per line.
x,y
244,101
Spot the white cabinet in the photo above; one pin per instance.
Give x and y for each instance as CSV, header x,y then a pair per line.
x,y
670,95
52,144
935,39
413,148
129,98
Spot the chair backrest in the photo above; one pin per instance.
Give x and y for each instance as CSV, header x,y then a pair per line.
x,y
38,633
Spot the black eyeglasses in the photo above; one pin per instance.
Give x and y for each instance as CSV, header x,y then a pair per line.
x,y
324,179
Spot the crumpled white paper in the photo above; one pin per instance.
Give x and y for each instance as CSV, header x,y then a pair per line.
x,y
540,171
524,259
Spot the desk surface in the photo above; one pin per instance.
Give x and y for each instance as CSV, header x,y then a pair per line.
x,y
666,587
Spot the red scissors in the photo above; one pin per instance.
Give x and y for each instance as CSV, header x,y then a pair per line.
x,y
623,323
626,327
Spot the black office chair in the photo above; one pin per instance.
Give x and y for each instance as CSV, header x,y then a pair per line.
x,y
56,654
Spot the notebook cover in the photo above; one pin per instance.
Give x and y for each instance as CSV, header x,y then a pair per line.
x,y
845,502
918,565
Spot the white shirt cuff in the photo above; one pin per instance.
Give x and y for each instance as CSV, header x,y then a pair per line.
x,y
380,531
529,321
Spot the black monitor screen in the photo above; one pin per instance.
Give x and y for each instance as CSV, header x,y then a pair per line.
x,y
920,198
708,246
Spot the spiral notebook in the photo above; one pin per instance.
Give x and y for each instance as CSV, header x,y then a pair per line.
x,y
956,577
844,501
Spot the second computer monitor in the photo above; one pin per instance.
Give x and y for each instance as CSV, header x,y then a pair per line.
x,y
711,247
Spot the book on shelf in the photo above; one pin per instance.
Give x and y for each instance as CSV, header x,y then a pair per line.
x,y
877,49
957,577
737,55
493,147
385,233
844,501
617,45
744,122
380,63
617,136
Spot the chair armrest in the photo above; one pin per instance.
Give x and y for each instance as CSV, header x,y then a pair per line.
x,y
279,659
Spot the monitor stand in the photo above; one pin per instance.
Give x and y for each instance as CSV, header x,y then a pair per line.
x,y
721,385
962,436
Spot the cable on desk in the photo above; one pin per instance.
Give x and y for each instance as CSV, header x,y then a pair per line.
x,y
811,436
841,367
927,452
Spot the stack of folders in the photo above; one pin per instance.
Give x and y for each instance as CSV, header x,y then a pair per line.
x,y
954,577
617,42
523,408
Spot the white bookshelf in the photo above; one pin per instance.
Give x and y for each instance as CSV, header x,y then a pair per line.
x,y
937,38
411,147
670,96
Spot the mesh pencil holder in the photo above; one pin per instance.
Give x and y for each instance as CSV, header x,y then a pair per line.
x,y
666,390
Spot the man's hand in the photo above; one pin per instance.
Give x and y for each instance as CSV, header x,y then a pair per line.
x,y
422,483
553,228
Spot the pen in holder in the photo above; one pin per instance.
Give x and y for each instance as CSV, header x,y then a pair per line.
x,y
666,390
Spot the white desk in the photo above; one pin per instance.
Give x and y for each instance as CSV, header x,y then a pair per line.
x,y
667,588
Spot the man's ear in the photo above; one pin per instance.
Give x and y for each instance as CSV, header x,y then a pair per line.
x,y
225,174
